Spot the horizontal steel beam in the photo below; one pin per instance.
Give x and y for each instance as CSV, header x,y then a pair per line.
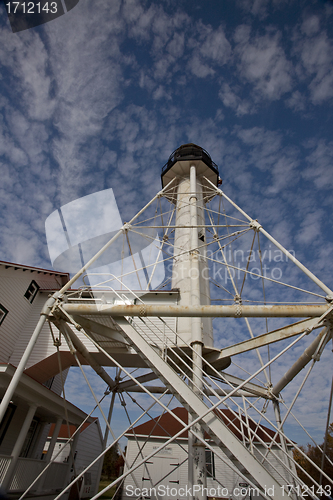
x,y
81,348
158,389
234,311
264,339
110,333
127,384
255,389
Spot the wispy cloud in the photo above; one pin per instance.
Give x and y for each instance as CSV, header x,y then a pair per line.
x,y
262,62
319,162
100,98
314,49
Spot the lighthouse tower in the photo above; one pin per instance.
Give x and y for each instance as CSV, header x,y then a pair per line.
x,y
191,166
157,340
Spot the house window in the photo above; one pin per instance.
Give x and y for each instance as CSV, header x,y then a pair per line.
x,y
31,293
6,420
210,463
3,313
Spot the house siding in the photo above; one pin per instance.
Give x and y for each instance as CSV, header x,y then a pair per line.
x,y
44,346
13,286
56,385
22,316
89,446
165,463
173,454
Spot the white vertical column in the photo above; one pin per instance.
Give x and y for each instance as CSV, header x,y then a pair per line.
x,y
207,323
50,450
184,268
194,258
190,466
18,446
105,439
53,440
181,262
37,439
187,274
198,449
21,366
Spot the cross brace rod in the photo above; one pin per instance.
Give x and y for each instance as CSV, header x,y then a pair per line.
x,y
158,389
265,339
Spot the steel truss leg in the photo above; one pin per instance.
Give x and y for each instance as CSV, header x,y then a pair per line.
x,y
218,431
197,450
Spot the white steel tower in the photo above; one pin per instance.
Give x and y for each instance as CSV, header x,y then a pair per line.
x,y
145,325
190,169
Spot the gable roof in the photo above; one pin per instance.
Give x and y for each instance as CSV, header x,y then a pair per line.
x,y
31,268
167,425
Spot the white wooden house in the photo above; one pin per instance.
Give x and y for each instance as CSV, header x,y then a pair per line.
x,y
37,401
166,473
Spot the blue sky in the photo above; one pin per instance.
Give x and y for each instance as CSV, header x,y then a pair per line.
x,y
100,97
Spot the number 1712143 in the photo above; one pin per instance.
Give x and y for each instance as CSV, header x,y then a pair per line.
x,y
32,7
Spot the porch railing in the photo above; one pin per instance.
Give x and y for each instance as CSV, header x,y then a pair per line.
x,y
55,476
27,469
4,464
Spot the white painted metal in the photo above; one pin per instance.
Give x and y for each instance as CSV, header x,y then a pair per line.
x,y
213,311
198,339
186,427
268,338
107,245
189,262
159,389
300,363
256,225
21,366
176,341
